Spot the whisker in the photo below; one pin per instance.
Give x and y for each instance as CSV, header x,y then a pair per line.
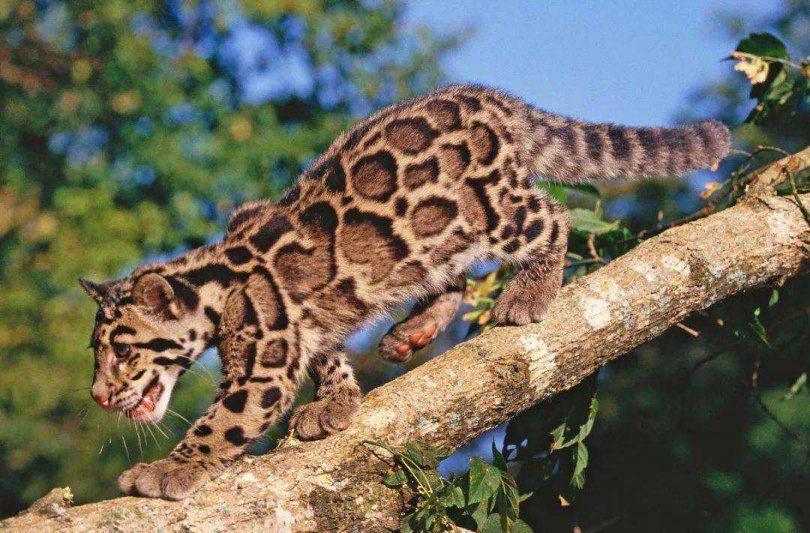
x,y
145,436
194,371
166,427
126,448
152,431
164,430
137,434
83,413
71,391
160,430
75,391
143,431
178,415
149,428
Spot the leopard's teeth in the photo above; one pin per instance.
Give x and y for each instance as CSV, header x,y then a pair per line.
x,y
148,404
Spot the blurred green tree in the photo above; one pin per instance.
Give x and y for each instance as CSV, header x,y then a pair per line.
x,y
130,129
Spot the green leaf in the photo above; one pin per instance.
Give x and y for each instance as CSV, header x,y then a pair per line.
x,y
580,459
492,524
414,452
797,386
555,190
434,479
521,527
774,298
586,428
590,222
423,454
395,479
759,329
479,513
558,437
763,45
452,497
379,445
409,524
777,89
510,497
578,481
498,459
584,188
559,433
485,480
427,515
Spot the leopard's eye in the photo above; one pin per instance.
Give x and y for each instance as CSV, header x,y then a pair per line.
x,y
122,350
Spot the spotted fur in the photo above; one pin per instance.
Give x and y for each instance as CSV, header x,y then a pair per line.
x,y
399,207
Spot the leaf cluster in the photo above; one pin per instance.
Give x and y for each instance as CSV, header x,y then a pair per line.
x,y
486,498
780,86
549,441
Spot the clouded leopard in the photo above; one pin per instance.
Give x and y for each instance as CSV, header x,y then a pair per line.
x,y
399,207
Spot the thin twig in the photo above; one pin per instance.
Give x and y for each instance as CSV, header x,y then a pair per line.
x,y
717,351
687,329
795,194
770,414
592,250
785,62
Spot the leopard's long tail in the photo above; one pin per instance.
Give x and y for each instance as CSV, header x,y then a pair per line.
x,y
569,150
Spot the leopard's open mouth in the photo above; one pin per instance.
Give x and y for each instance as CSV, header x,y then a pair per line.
x,y
150,398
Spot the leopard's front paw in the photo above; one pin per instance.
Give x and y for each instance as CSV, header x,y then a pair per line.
x,y
167,478
520,307
324,417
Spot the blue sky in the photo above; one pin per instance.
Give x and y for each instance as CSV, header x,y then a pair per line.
x,y
609,60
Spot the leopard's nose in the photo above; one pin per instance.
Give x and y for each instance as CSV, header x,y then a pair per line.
x,y
102,395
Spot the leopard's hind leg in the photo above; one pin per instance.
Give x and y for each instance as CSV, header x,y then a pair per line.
x,y
337,398
538,249
429,318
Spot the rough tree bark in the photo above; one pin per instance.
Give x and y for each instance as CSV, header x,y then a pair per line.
x,y
335,484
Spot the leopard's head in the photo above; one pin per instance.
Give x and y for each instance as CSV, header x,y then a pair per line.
x,y
144,339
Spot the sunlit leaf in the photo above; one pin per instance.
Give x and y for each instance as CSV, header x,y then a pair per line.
x,y
485,480
590,222
774,299
797,386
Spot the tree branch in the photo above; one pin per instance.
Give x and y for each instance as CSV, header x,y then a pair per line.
x,y
335,484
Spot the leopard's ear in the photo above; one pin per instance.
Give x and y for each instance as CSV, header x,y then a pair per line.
x,y
97,291
153,292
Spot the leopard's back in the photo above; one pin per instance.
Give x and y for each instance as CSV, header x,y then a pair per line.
x,y
410,197
415,193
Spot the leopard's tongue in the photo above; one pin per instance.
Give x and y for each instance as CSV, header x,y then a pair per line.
x,y
145,407
147,404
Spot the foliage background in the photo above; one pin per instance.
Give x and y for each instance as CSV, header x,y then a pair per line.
x,y
130,129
